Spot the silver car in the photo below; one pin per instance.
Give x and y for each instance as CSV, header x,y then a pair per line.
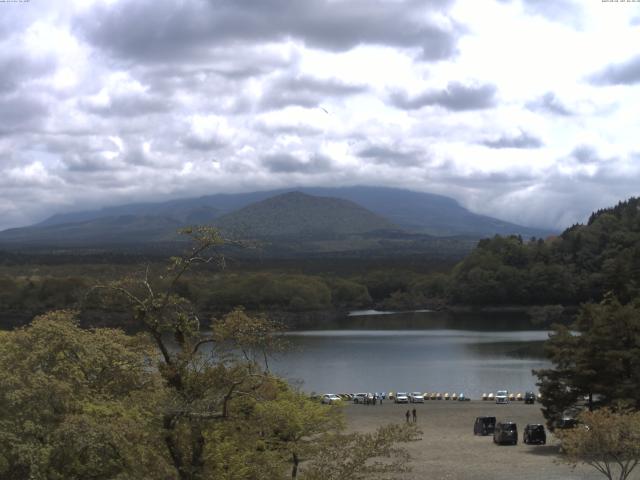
x,y
360,398
330,398
401,397
416,397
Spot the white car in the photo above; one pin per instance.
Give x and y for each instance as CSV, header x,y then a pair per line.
x,y
401,397
416,397
502,396
330,398
360,398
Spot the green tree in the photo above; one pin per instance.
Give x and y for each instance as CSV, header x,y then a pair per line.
x,y
77,404
597,358
606,440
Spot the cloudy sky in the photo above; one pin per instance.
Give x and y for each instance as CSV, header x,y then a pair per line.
x,y
527,110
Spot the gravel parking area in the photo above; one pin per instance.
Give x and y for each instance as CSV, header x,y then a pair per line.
x,y
449,450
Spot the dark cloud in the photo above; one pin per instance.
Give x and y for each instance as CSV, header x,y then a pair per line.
x,y
488,181
89,162
391,156
306,92
286,163
224,70
296,129
158,31
18,69
21,111
456,96
128,105
550,103
586,154
522,140
92,157
194,142
625,73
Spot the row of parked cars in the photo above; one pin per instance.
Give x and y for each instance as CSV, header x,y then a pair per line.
x,y
331,398
503,396
506,432
399,397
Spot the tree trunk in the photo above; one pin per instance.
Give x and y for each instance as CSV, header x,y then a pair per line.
x,y
294,470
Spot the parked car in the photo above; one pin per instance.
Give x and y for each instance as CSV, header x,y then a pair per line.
x,y
330,398
502,396
529,397
401,397
505,432
360,398
416,397
534,433
566,422
484,425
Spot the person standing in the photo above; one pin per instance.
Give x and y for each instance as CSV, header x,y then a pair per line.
x,y
408,414
414,414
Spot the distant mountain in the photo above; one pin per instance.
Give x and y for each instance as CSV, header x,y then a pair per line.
x,y
184,210
427,213
98,232
302,216
380,221
413,211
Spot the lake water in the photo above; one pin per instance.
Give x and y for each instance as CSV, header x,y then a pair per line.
x,y
421,351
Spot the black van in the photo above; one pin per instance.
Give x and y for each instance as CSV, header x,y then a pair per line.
x,y
484,425
534,433
505,432
529,397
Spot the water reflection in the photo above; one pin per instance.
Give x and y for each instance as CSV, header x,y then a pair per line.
x,y
425,351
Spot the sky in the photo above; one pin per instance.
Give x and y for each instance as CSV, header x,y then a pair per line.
x,y
525,110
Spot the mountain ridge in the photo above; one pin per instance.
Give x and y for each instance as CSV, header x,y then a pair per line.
x,y
419,212
287,224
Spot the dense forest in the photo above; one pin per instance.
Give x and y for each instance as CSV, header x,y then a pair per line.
x,y
582,264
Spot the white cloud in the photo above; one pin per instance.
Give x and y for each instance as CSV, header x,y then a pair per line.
x,y
519,109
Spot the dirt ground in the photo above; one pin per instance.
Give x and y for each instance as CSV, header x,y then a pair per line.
x,y
449,450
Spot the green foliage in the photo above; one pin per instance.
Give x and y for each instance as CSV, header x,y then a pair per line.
x,y
597,357
584,263
77,403
40,293
606,440
268,291
348,293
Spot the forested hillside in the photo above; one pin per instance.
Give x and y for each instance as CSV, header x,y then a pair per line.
x,y
582,264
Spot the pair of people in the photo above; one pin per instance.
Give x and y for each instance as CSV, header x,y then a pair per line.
x,y
412,414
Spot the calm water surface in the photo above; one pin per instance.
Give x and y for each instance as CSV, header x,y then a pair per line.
x,y
424,351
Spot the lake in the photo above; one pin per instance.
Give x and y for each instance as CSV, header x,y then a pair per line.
x,y
416,351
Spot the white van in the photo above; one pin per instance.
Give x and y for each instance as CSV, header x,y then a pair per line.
x,y
502,396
